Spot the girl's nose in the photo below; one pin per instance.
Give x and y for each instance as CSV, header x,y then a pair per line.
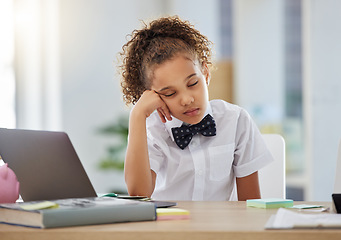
x,y
186,100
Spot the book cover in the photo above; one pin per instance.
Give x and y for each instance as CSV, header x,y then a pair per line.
x,y
270,203
75,212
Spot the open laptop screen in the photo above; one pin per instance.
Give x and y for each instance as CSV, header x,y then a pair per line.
x,y
46,164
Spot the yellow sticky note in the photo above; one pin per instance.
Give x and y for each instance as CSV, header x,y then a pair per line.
x,y
171,211
172,214
39,206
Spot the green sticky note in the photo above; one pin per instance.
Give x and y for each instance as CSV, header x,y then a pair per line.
x,y
39,205
270,203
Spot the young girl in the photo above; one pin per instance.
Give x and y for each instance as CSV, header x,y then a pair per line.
x,y
181,145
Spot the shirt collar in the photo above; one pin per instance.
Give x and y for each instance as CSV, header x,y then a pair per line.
x,y
178,123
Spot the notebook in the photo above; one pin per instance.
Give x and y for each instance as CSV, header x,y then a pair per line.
x,y
46,164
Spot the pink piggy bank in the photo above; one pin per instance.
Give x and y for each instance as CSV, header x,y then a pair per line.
x,y
9,185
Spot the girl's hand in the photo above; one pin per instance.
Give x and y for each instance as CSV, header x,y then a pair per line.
x,y
151,101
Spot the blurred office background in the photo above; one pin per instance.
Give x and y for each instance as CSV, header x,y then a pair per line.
x,y
279,59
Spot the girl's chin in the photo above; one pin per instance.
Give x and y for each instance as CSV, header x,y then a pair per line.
x,y
192,120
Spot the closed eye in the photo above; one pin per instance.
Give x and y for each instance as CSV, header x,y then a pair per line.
x,y
193,84
165,94
168,95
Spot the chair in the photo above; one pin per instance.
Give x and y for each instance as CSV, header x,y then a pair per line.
x,y
272,176
337,182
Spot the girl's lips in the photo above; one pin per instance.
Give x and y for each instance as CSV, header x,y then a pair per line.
x,y
192,112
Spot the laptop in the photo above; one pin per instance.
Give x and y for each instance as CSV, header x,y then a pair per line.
x,y
45,163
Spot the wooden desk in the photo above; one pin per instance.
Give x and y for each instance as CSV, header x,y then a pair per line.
x,y
209,220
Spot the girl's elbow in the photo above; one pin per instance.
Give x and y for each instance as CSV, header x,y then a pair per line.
x,y
139,192
139,189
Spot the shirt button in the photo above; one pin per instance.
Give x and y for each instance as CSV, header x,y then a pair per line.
x,y
200,172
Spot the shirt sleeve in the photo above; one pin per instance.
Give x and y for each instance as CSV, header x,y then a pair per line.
x,y
155,154
251,153
155,142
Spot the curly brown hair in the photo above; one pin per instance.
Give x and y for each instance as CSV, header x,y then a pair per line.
x,y
157,42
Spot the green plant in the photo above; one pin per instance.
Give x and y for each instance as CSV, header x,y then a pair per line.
x,y
114,158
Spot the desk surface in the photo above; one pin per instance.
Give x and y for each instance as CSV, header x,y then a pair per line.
x,y
209,220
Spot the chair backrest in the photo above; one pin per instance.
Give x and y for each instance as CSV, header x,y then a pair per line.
x,y
272,177
337,182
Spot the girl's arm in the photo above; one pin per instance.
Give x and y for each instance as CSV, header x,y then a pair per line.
x,y
140,179
248,187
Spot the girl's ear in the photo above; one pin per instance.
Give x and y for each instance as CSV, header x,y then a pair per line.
x,y
206,72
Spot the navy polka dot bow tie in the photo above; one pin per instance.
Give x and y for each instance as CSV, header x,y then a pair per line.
x,y
184,134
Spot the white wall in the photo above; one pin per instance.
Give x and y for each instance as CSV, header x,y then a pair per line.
x,y
259,58
204,15
322,88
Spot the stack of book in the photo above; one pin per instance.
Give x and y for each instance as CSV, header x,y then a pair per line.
x,y
76,211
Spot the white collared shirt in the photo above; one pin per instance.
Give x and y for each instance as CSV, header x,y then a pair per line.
x,y
207,168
